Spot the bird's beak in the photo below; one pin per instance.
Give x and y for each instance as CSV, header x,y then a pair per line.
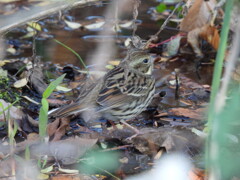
x,y
150,69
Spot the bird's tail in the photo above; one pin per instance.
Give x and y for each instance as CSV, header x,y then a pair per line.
x,y
67,110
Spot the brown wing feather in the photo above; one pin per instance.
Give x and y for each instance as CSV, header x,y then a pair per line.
x,y
123,90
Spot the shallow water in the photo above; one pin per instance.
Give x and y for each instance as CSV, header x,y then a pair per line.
x,y
87,42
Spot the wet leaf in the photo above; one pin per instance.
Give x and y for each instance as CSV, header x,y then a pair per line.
x,y
72,25
127,24
35,26
69,171
47,170
20,83
11,50
29,35
3,62
94,25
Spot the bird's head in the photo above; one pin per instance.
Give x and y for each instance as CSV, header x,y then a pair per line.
x,y
140,60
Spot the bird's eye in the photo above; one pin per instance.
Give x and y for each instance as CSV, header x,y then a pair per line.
x,y
145,61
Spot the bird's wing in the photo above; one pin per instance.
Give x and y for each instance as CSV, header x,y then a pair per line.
x,y
84,102
122,87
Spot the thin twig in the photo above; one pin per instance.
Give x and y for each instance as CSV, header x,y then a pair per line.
x,y
135,15
163,25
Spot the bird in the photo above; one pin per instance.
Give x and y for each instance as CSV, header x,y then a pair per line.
x,y
121,94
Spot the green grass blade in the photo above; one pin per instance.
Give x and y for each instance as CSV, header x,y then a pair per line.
x,y
43,118
52,86
219,60
74,52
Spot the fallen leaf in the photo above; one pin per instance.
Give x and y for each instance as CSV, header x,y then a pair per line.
x,y
127,24
186,112
69,151
35,26
3,62
47,169
11,50
72,25
14,112
69,171
172,46
36,79
199,14
29,35
3,73
69,177
20,83
57,128
94,25
211,35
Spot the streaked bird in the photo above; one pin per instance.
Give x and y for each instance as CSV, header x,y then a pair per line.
x,y
121,94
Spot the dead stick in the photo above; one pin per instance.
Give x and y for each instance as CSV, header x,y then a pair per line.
x,y
35,13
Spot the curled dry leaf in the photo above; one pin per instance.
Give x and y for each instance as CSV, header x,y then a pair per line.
x,y
57,128
198,15
36,79
211,35
196,23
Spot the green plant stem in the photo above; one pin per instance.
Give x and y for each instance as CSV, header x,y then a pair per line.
x,y
219,60
74,52
217,76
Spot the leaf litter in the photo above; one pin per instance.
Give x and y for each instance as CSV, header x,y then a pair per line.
x,y
166,126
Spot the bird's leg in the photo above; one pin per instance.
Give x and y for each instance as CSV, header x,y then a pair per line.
x,y
137,132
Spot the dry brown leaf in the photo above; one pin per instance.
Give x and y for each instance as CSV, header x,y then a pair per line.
x,y
197,174
186,112
171,138
199,14
65,177
211,35
196,23
57,128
